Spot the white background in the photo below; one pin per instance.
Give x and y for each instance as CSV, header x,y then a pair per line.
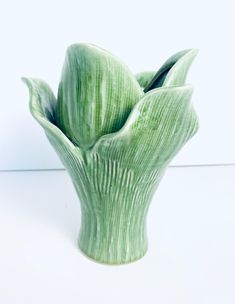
x,y
34,38
191,222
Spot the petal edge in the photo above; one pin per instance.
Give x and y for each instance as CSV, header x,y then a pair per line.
x,y
173,71
42,104
158,126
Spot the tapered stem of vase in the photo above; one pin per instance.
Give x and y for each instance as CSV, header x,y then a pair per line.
x,y
115,235
114,203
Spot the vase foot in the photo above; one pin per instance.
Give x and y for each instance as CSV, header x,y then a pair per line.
x,y
112,263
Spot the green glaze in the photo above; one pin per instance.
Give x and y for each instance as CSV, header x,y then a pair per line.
x,y
115,134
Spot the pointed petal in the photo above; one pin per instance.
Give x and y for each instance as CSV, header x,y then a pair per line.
x,y
96,94
173,71
159,125
42,107
144,78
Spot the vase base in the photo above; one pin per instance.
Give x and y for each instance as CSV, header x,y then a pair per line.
x,y
111,263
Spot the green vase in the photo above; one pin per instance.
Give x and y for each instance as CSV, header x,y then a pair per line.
x,y
115,133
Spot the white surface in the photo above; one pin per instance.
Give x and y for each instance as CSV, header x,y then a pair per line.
x,y
191,226
35,35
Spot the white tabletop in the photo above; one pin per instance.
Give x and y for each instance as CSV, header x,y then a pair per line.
x,y
191,255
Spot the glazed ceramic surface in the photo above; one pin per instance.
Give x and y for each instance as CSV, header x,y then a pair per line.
x,y
115,134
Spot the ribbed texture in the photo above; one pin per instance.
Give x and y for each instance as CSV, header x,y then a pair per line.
x,y
159,125
115,175
114,211
96,94
114,202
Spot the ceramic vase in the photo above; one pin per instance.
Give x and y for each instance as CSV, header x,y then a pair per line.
x,y
115,133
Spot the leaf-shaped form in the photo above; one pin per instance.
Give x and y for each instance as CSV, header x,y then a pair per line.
x,y
42,106
158,126
173,71
96,94
144,78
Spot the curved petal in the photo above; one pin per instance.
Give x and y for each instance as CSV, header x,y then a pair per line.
x,y
96,94
159,125
42,107
144,78
173,71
